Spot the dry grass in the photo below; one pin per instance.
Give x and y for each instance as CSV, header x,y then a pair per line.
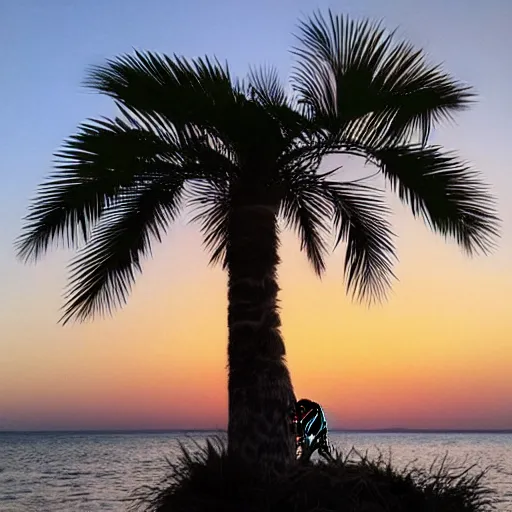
x,y
205,481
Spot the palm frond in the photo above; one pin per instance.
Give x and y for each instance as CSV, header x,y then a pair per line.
x,y
211,201
359,84
103,272
305,209
360,220
171,92
93,166
445,191
266,87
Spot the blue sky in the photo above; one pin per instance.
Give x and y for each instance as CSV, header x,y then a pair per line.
x,y
48,46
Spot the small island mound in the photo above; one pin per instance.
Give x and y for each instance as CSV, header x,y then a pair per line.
x,y
206,481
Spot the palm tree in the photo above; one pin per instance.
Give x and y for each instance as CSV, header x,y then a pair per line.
x,y
245,155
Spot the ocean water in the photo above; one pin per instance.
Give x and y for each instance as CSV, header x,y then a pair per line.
x,y
57,472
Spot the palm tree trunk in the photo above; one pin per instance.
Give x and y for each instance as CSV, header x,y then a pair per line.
x,y
261,397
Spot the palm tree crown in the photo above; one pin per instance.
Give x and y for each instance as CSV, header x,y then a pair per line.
x,y
188,133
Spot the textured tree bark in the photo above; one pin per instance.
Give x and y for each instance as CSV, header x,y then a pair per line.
x,y
261,397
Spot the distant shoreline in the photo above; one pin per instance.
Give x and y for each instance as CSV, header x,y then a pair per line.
x,y
220,431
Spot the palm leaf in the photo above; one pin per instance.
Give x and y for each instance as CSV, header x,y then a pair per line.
x,y
172,93
94,165
446,192
266,87
103,272
211,202
359,84
360,220
306,210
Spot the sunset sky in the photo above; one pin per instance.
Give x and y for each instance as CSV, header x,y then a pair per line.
x,y
436,354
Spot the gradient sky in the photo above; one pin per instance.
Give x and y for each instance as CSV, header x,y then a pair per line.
x,y
437,354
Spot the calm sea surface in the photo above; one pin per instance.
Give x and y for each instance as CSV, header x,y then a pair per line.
x,y
57,472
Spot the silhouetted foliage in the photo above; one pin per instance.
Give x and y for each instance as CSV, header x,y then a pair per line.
x,y
188,133
206,481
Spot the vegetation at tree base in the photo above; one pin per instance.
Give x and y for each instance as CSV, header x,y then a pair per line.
x,y
206,481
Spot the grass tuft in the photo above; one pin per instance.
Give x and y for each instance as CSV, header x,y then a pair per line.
x,y
206,481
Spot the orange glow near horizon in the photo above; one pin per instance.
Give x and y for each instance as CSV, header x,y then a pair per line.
x,y
429,357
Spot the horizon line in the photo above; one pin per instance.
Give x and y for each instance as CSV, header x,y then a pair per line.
x,y
392,430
